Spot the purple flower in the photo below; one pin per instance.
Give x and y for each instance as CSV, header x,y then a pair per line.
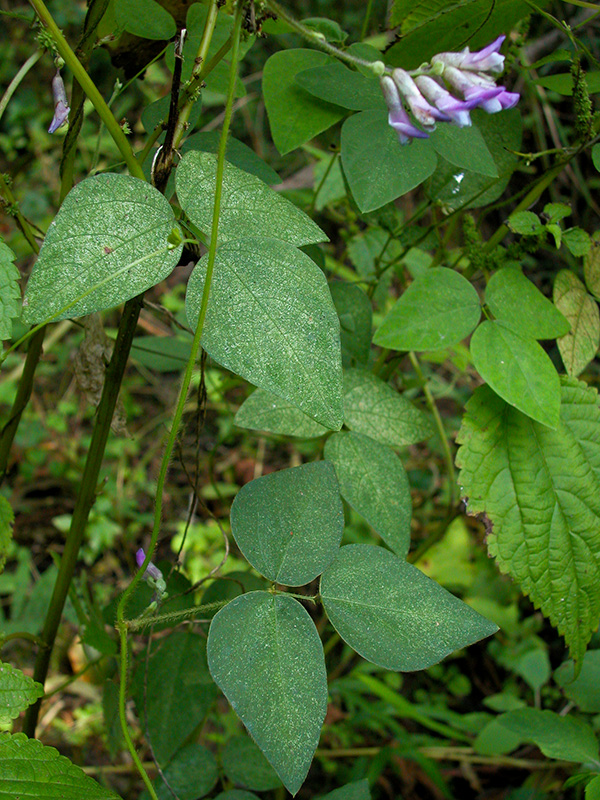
x,y
61,104
480,90
423,112
398,118
486,60
152,571
456,110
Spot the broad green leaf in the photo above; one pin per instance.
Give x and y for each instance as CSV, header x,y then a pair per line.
x,y
17,692
439,309
249,208
265,654
518,303
592,789
178,692
263,411
28,769
191,774
341,86
545,532
583,690
392,614
372,407
327,28
351,791
289,524
494,739
372,479
145,18
237,153
560,737
236,794
285,341
591,265
518,369
109,242
295,116
378,168
525,223
161,353
10,294
577,241
356,320
580,346
465,148
563,83
7,519
245,765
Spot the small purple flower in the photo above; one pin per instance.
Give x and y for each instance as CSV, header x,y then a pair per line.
x,y
478,89
398,118
61,104
456,110
152,571
486,60
423,112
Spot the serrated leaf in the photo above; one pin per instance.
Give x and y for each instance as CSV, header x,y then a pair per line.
x,y
372,479
191,774
591,266
556,736
392,614
108,240
249,208
356,321
516,301
525,223
518,369
372,407
285,341
10,294
295,116
439,309
265,654
580,346
545,532
245,765
175,694
17,692
583,690
145,18
465,148
7,518
289,524
341,86
557,211
577,241
263,411
29,769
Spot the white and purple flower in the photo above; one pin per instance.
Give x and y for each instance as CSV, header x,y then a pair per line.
x,y
61,104
398,118
486,60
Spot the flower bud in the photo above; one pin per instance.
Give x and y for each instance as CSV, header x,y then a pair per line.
x,y
61,104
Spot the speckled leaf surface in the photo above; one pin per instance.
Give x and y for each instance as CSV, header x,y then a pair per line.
x,y
28,769
289,524
271,320
544,532
17,692
10,294
372,407
248,207
110,233
373,480
264,411
265,654
578,347
394,615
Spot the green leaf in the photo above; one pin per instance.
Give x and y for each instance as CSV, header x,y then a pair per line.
x,y
236,794
341,86
563,83
327,28
438,309
372,407
108,241
286,341
392,614
29,769
245,765
178,692
592,789
7,519
518,303
356,321
295,116
237,153
17,692
378,168
525,223
249,208
596,156
263,411
351,791
265,654
10,293
289,524
465,148
591,266
545,532
557,737
583,690
162,353
557,211
145,18
518,369
372,479
580,346
191,774
577,241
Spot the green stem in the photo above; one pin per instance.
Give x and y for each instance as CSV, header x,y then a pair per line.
x,y
88,86
12,86
366,20
25,635
85,497
122,607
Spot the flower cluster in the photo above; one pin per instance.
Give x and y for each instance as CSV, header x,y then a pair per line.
x,y
430,95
